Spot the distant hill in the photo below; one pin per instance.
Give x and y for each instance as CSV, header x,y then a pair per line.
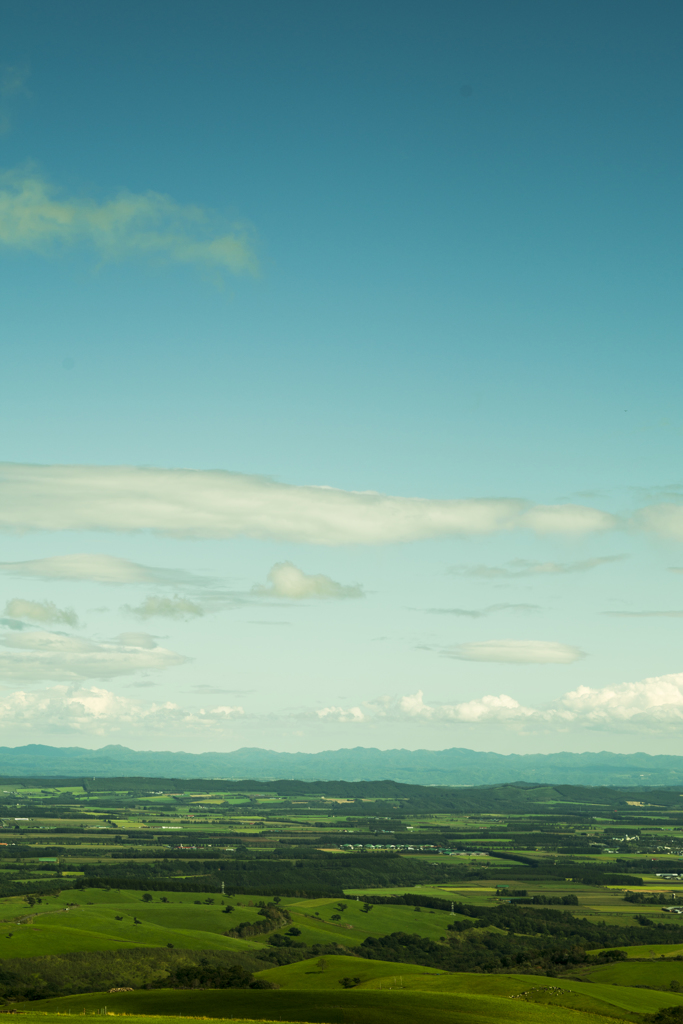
x,y
456,766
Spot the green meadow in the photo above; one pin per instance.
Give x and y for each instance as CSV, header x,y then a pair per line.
x,y
356,1006
107,920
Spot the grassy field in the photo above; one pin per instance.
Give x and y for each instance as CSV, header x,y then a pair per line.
x,y
57,927
41,1017
313,917
309,975
310,989
656,974
356,1006
187,922
107,922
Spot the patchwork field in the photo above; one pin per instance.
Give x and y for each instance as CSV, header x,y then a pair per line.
x,y
357,903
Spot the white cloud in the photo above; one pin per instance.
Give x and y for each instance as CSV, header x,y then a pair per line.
x,y
483,709
41,611
100,712
38,655
341,714
97,568
650,705
33,218
529,652
287,581
165,607
521,567
218,504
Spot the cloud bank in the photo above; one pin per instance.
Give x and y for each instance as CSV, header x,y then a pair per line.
x,y
94,710
218,504
286,581
33,218
652,705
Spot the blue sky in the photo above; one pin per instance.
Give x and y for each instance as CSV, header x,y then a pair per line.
x,y
263,265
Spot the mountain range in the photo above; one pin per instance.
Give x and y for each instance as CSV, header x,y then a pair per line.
x,y
455,766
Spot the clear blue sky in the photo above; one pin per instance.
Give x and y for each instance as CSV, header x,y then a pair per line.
x,y
429,250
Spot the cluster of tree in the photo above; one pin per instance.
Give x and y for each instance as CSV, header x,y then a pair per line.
x,y
273,917
310,870
207,974
39,886
524,940
650,898
669,1015
482,951
201,854
73,973
209,883
675,867
410,899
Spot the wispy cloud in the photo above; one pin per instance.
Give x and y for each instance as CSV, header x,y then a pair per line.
x,y
33,217
527,652
521,567
286,581
165,607
41,611
97,568
41,655
215,504
479,613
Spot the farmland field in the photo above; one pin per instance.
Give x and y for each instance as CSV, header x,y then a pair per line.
x,y
349,902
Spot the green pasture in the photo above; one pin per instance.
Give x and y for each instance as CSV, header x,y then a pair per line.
x,y
598,998
602,997
308,974
93,925
656,974
187,922
355,1006
41,1017
381,920
399,890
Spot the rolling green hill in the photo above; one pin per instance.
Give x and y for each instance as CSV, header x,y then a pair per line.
x,y
325,1007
